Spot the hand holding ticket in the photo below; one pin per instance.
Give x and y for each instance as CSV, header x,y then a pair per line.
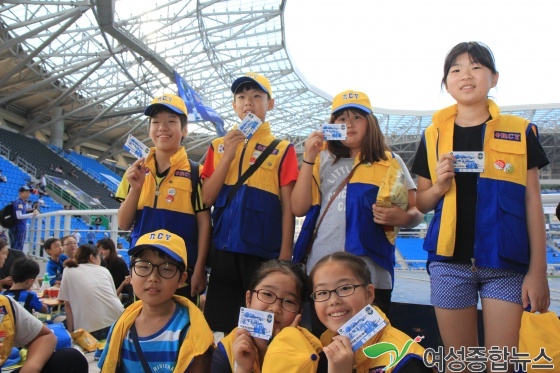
x,y
258,323
469,161
334,131
250,125
364,325
136,147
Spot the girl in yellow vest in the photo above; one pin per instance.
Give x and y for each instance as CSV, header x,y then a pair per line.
x,y
487,236
377,194
280,287
341,288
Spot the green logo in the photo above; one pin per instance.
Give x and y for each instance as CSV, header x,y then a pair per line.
x,y
382,348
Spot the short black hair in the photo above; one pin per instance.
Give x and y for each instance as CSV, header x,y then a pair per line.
x,y
48,243
24,269
250,86
164,109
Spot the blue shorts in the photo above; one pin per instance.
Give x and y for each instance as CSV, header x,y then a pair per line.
x,y
456,286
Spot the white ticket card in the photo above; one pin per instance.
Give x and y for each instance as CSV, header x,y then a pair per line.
x,y
469,161
258,323
364,325
136,147
334,131
250,125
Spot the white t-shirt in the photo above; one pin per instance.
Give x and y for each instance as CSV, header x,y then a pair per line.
x,y
27,326
92,295
331,236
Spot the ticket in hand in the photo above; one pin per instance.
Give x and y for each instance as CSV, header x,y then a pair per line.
x,y
364,325
469,161
258,323
136,147
250,125
334,131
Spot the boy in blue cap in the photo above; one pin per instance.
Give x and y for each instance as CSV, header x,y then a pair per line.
x,y
255,223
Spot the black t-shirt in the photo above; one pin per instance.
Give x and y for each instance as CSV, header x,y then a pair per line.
x,y
470,139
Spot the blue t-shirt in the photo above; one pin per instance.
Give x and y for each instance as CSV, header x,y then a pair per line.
x,y
20,296
55,269
160,349
20,205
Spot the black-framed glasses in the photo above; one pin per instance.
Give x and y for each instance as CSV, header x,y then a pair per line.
x,y
143,268
266,296
341,291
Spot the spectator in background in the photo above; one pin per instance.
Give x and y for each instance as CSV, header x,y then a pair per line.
x,y
78,236
43,183
55,265
3,178
116,266
89,294
5,277
69,245
73,173
18,231
24,272
90,236
97,222
58,170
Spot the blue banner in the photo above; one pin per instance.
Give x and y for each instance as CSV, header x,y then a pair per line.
x,y
198,111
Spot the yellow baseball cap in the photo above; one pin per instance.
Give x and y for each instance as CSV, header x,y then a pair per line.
x,y
351,99
293,350
260,80
163,240
175,103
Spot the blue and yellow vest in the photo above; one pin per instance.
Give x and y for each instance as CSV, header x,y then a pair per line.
x,y
168,205
389,334
252,222
7,328
363,236
198,340
501,238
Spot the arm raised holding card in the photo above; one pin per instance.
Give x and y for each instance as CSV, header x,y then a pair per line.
x,y
135,175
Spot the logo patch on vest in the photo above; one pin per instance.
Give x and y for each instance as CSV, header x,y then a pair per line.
x,y
262,148
183,173
509,136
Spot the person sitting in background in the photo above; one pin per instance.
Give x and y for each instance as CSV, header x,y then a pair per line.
x,y
69,245
55,265
21,329
58,170
3,178
116,266
89,294
24,273
5,278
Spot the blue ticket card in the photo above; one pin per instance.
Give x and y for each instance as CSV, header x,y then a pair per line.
x,y
469,161
334,131
258,323
364,325
250,125
136,147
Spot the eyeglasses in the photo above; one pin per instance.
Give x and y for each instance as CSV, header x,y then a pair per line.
x,y
143,268
341,291
266,296
71,244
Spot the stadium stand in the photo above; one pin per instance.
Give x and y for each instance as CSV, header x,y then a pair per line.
x,y
412,252
41,157
96,170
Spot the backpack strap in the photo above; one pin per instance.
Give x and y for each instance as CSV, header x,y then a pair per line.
x,y
195,180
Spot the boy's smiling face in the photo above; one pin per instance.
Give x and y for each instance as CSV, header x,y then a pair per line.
x,y
252,101
166,131
153,289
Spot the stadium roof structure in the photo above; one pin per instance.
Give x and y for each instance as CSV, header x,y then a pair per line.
x,y
96,64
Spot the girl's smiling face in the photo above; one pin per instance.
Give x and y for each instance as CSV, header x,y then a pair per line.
x,y
336,310
284,288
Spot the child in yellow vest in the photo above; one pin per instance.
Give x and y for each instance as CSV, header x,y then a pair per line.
x,y
341,287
